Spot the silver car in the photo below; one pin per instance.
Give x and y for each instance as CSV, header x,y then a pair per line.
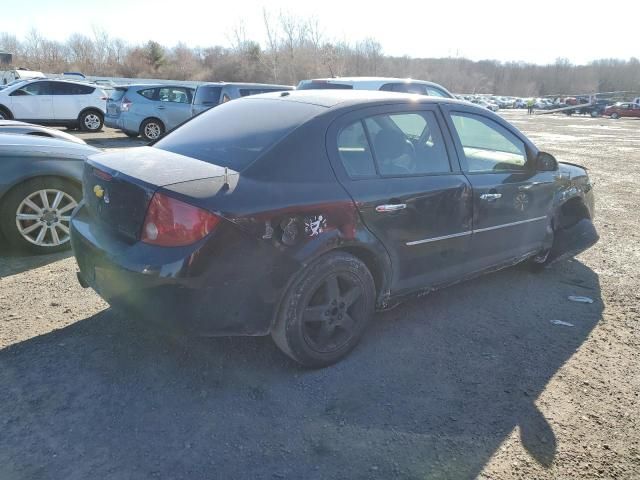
x,y
148,110
211,94
13,126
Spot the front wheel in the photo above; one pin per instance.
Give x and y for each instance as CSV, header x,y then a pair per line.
x,y
36,214
325,311
91,121
615,115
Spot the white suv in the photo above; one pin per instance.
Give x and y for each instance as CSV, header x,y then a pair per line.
x,y
55,102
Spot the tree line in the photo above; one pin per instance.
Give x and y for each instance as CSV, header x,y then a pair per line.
x,y
291,49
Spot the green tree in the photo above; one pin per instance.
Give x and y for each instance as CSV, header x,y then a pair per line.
x,y
154,54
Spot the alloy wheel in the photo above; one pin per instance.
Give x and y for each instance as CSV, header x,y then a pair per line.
x,y
43,217
152,130
333,312
92,121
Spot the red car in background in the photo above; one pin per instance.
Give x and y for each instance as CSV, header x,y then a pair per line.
x,y
622,110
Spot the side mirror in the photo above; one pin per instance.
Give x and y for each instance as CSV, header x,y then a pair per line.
x,y
545,162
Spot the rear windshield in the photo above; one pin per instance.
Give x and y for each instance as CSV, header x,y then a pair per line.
x,y
234,134
117,94
207,96
324,86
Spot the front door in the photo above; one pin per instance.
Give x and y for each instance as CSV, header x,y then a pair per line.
x,y
512,201
33,102
394,161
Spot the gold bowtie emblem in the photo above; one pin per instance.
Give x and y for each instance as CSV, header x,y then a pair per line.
x,y
99,191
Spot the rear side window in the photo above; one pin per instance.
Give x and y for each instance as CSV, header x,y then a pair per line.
x,y
149,93
175,94
408,144
487,145
207,96
60,88
236,133
245,92
354,151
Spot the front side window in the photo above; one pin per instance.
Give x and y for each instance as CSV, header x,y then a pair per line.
x,y
408,144
488,146
354,151
436,92
36,88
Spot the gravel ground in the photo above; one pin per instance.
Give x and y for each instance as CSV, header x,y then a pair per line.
x,y
471,381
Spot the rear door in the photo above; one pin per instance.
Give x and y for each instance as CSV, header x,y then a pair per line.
x,y
511,200
174,106
69,99
33,101
395,163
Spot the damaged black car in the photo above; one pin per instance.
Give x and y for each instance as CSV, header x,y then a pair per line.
x,y
298,214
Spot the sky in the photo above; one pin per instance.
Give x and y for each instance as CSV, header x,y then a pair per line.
x,y
531,31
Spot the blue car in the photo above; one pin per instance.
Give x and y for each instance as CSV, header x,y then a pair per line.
x,y
148,110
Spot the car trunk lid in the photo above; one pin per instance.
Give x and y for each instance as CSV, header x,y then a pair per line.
x,y
118,186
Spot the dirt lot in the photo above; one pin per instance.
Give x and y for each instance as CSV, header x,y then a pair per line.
x,y
471,381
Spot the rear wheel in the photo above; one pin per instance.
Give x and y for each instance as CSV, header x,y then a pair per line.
x,y
91,121
595,113
36,214
615,115
325,311
151,129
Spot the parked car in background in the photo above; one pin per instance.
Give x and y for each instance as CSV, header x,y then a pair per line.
x,y
489,106
148,110
223,227
54,102
9,76
40,185
212,94
400,85
22,128
622,110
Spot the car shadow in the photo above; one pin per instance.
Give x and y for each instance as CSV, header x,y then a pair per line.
x,y
14,261
435,388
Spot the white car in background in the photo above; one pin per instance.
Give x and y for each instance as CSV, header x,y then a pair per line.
x,y
55,102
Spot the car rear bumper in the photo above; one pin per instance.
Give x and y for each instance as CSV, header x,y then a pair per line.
x,y
191,289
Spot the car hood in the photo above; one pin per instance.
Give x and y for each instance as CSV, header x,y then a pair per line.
x,y
157,167
572,170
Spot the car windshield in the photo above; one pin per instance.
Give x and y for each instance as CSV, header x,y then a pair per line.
x,y
236,133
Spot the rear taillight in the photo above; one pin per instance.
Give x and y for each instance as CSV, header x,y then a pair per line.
x,y
173,223
126,103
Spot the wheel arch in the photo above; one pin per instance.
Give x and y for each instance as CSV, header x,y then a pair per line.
x,y
35,176
90,109
6,109
571,212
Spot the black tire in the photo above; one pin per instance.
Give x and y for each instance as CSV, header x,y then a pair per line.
x,y
615,115
5,114
595,114
539,262
131,134
152,129
91,121
49,221
337,293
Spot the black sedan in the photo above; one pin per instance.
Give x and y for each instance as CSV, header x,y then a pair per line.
x,y
298,214
40,185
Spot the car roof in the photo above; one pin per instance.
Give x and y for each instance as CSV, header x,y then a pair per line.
x,y
45,146
370,79
240,84
333,98
151,85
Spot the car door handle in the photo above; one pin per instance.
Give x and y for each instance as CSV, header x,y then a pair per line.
x,y
394,207
490,196
161,107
